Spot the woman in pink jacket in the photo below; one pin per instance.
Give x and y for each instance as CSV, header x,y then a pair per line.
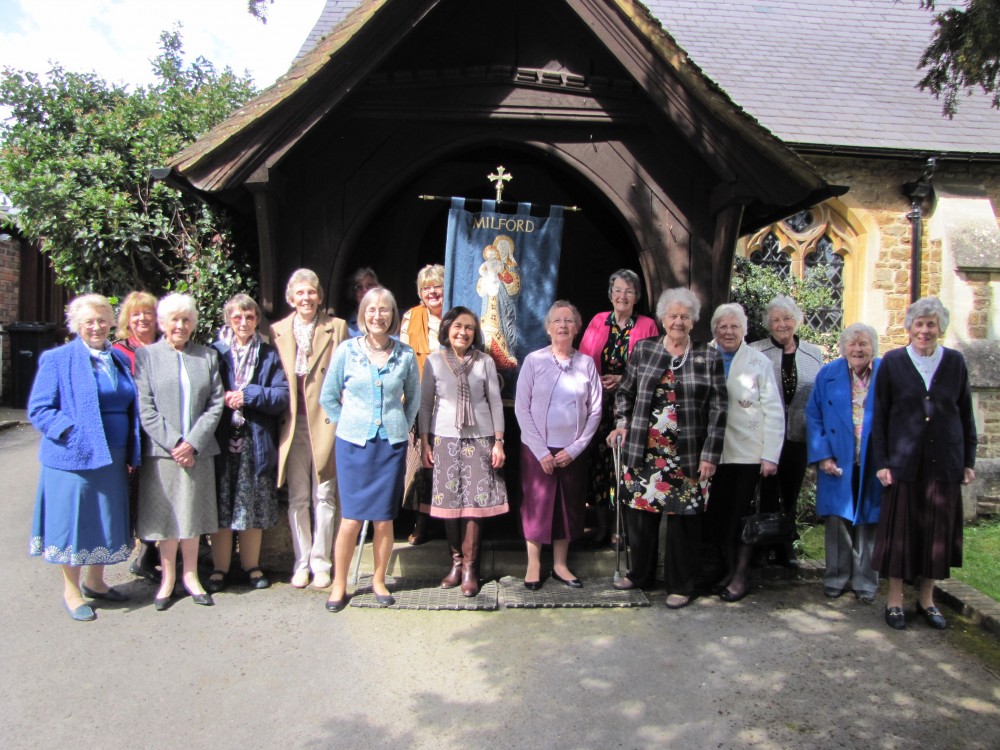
x,y
609,340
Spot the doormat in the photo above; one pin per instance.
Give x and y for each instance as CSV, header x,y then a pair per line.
x,y
426,593
596,592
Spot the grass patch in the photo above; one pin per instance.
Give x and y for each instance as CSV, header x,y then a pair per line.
x,y
981,558
980,554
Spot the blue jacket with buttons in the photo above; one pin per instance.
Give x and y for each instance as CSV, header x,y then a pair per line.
x,y
353,398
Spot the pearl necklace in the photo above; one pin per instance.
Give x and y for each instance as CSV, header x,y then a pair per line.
x,y
674,364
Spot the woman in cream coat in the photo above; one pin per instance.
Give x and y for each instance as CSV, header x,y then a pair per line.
x,y
305,341
755,430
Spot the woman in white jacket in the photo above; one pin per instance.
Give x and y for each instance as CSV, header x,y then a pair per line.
x,y
755,431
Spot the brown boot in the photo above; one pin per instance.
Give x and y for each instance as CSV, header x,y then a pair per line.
x,y
470,557
454,576
421,530
453,530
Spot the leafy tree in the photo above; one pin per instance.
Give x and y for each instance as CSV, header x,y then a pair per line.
x,y
75,160
964,53
258,9
754,286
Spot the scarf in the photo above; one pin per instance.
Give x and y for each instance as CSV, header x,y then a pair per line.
x,y
101,360
244,363
303,343
463,409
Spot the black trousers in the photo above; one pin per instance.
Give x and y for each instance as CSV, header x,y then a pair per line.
x,y
682,556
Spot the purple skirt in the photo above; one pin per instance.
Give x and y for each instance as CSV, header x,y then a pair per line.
x,y
919,530
553,504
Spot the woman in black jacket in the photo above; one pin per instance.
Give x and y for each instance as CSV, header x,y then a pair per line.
x,y
924,438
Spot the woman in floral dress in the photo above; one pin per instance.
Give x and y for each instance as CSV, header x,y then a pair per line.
x,y
671,414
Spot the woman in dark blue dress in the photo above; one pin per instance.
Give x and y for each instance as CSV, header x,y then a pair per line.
x,y
84,403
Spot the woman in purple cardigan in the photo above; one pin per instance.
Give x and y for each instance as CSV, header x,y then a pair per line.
x,y
558,407
609,340
924,441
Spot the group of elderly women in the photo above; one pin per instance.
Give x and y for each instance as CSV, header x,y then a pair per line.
x,y
701,429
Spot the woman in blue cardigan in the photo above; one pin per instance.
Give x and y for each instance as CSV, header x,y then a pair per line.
x,y
83,401
838,432
372,393
246,491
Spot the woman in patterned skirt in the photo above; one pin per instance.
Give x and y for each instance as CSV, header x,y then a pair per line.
x,y
461,436
83,402
256,394
671,413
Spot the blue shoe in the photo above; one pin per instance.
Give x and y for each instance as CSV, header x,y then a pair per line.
x,y
83,613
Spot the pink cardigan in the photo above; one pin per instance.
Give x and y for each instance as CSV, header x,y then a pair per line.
x,y
596,335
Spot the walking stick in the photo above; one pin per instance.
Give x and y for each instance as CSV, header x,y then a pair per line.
x,y
616,456
353,580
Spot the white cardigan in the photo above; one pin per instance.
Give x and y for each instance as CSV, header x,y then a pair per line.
x,y
755,421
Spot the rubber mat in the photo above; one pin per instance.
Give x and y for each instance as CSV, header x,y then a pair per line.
x,y
426,593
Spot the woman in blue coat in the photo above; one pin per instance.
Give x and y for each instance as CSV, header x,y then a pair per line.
x,y
83,401
246,490
838,432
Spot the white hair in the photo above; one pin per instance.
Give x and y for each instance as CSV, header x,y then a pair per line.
x,y
730,310
77,306
852,332
927,307
177,304
682,296
785,304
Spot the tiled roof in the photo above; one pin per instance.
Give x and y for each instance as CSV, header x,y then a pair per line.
x,y
829,72
832,73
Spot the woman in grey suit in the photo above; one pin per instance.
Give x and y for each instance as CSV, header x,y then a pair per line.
x,y
180,402
795,364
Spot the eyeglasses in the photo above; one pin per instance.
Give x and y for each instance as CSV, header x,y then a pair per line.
x,y
623,292
563,322
248,317
432,288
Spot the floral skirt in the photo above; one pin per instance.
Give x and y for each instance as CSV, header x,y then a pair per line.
x,y
464,483
247,500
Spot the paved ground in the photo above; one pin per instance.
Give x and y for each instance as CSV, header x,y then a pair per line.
x,y
785,668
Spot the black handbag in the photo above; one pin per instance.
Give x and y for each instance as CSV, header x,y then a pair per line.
x,y
768,528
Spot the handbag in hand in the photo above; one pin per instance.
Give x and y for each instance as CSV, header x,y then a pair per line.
x,y
768,528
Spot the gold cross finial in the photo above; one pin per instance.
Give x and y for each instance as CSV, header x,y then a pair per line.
x,y
500,177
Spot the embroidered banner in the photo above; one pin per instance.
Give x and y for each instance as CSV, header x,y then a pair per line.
x,y
504,267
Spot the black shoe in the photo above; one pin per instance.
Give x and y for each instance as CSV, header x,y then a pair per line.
x,y
533,585
864,597
204,600
831,592
260,582
214,585
895,618
385,600
111,595
162,605
573,583
336,605
728,596
933,617
136,568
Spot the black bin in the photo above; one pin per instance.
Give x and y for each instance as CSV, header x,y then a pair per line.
x,y
27,342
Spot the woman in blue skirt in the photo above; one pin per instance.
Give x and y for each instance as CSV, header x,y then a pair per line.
x,y
372,392
83,401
